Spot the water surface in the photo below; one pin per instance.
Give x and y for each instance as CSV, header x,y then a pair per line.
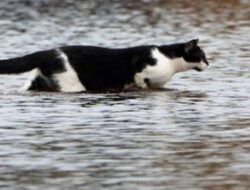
x,y
193,135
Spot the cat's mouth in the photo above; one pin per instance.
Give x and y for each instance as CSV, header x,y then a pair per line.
x,y
203,65
198,69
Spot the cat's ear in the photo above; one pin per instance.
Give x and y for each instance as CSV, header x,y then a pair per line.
x,y
191,45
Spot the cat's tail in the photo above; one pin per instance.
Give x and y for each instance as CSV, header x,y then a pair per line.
x,y
19,64
27,62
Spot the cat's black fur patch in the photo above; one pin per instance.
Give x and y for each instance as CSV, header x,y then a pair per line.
x,y
147,81
103,68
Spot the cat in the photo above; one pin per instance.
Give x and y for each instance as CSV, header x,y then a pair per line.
x,y
89,68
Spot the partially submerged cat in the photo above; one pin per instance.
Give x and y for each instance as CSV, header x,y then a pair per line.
x,y
88,68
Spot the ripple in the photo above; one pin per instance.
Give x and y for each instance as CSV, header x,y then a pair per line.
x,y
192,135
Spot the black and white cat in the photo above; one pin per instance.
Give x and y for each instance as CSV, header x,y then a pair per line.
x,y
88,68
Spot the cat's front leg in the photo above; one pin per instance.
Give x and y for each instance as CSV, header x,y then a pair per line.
x,y
141,80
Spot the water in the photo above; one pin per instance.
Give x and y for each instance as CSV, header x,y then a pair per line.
x,y
193,135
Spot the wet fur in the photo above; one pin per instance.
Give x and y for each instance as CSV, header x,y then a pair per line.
x,y
81,68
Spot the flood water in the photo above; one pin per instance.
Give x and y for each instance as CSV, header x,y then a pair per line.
x,y
193,135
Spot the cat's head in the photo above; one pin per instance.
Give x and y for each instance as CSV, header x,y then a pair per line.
x,y
194,55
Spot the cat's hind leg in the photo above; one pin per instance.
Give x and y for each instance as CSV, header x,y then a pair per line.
x,y
41,84
38,82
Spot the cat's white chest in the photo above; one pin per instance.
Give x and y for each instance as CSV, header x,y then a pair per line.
x,y
157,74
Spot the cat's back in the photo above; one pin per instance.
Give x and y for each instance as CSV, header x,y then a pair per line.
x,y
94,56
104,51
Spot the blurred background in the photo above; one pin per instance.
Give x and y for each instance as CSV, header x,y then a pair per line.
x,y
193,135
